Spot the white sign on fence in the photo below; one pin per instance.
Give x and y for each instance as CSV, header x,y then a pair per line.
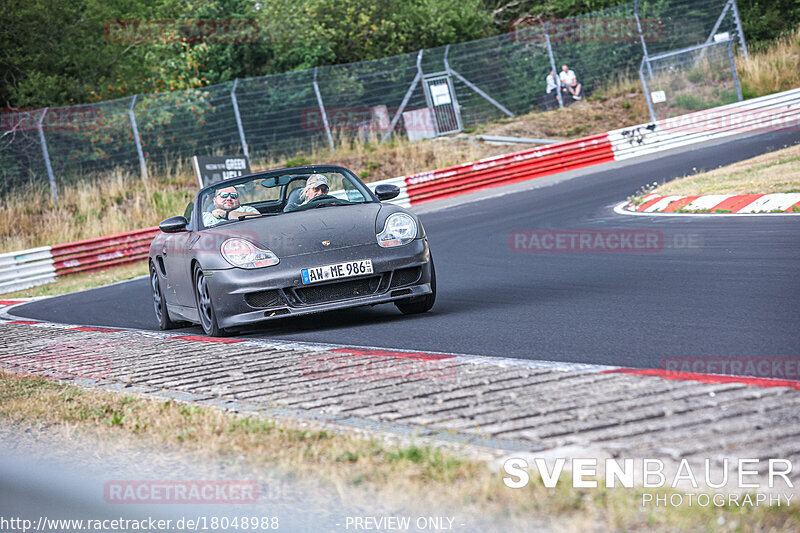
x,y
658,97
440,94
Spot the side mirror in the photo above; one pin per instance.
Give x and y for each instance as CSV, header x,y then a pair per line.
x,y
384,191
174,224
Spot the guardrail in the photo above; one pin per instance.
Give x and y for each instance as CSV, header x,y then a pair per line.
x,y
509,168
102,252
26,268
772,112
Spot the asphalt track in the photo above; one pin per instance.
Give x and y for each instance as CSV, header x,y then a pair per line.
x,y
720,287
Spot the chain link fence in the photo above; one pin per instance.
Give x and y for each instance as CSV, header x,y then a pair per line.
x,y
421,94
692,79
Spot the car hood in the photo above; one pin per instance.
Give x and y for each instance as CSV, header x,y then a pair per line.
x,y
304,232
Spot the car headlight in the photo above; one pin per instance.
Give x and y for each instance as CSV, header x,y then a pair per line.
x,y
244,254
399,229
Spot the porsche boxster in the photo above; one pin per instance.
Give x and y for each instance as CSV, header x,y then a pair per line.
x,y
285,243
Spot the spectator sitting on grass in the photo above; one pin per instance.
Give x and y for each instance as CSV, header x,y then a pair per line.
x,y
570,81
551,97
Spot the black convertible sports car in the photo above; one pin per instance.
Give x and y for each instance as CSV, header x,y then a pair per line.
x,y
288,242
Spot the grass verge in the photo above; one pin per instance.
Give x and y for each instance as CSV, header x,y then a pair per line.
x,y
773,172
407,473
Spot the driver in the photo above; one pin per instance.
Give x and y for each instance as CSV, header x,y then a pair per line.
x,y
226,207
316,185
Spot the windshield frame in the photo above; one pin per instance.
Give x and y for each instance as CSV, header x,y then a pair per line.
x,y
311,169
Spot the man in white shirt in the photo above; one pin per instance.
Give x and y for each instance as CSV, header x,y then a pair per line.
x,y
226,207
569,79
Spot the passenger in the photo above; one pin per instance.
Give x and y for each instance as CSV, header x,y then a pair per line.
x,y
316,185
569,79
226,207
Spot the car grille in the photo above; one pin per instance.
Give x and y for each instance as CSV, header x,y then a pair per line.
x,y
263,299
338,291
405,276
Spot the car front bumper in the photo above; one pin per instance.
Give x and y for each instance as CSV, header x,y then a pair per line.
x,y
243,296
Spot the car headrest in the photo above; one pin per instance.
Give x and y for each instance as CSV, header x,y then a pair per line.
x,y
294,196
293,200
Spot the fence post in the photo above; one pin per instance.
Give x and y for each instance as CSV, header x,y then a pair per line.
x,y
138,140
646,90
406,98
46,156
553,65
456,107
718,23
235,103
322,111
641,36
733,71
739,27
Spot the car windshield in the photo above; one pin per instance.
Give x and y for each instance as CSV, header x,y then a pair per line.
x,y
280,194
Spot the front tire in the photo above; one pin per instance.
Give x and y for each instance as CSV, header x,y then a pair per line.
x,y
421,304
205,307
160,301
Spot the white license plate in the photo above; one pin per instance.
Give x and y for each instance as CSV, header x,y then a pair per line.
x,y
347,269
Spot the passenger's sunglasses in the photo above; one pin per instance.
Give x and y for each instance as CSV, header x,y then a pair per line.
x,y
233,195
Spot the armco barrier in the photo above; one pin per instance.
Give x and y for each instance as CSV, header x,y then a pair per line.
x,y
772,112
102,252
26,268
509,168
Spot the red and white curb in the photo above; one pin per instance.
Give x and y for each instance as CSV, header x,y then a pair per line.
x,y
780,204
367,351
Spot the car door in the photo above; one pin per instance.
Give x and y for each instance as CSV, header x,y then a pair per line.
x,y
175,254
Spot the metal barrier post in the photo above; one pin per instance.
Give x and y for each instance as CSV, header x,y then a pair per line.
x,y
646,90
406,98
553,66
641,36
235,103
322,111
733,71
138,140
46,156
718,23
456,107
739,27
474,87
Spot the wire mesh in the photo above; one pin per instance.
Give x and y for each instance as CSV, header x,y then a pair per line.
x,y
283,115
694,79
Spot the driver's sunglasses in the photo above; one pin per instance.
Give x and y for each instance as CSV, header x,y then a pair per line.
x,y
233,195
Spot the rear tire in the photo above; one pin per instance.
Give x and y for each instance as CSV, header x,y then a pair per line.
x,y
421,304
160,301
205,307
